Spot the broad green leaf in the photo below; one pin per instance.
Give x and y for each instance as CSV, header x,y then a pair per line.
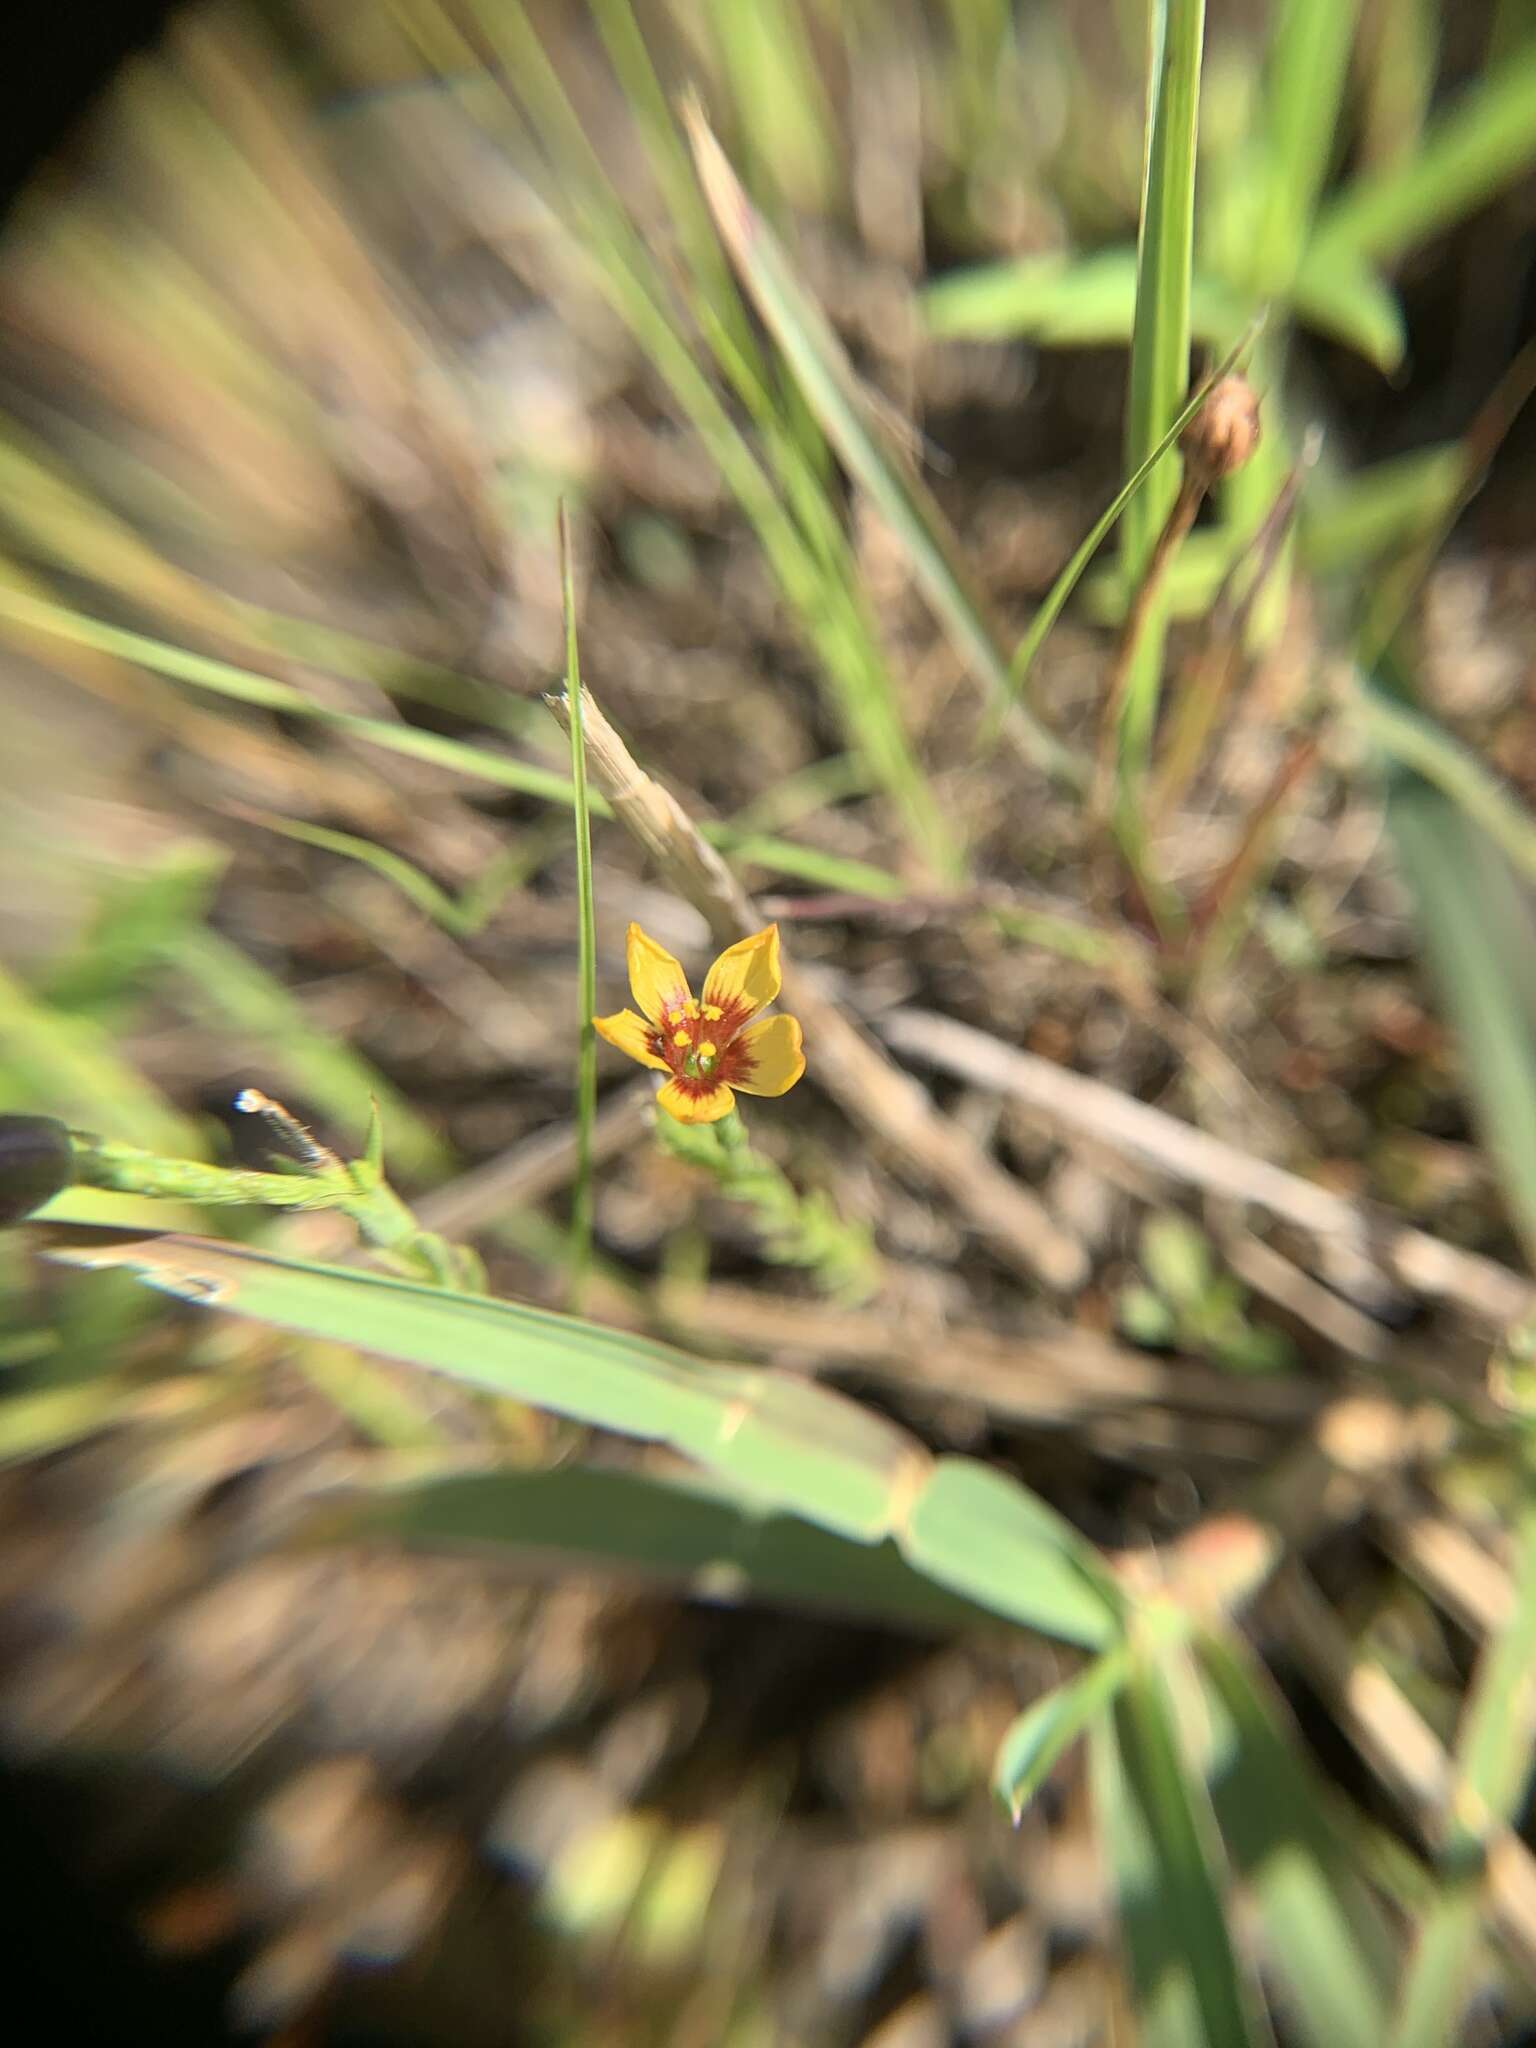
x,y
1326,1944
787,1443
678,1526
1029,1751
980,1533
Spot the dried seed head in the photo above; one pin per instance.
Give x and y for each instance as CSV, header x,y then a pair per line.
x,y
1223,433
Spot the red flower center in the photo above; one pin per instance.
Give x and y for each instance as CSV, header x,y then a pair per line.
x,y
701,1043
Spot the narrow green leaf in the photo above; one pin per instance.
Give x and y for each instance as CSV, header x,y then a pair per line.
x,y
1029,1751
1351,520
1347,301
1028,649
586,938
1308,64
1159,1845
1325,1942
844,412
1493,1753
1063,301
1159,367
1481,944
480,763
1486,137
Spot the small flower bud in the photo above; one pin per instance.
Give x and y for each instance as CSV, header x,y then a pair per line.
x,y
36,1161
1223,433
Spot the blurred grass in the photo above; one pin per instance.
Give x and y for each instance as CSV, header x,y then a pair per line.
x,y
282,383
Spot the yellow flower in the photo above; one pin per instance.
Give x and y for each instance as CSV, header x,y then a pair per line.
x,y
710,1047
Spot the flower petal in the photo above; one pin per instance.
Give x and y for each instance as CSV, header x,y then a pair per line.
x,y
776,1059
656,980
689,1108
746,976
630,1034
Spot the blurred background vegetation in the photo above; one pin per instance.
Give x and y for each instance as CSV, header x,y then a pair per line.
x,y
1074,1578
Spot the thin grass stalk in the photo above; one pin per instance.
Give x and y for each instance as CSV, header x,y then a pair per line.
x,y
580,1256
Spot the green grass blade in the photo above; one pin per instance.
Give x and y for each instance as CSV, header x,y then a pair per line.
x,y
1325,1943
1470,152
586,937
801,540
1349,521
1066,302
1159,1846
1028,649
1416,742
1348,302
1308,64
1159,367
1493,1755
481,764
785,1443
844,412
1033,1744
680,1527
1481,945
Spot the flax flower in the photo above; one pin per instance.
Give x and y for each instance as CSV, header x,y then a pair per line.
x,y
712,1046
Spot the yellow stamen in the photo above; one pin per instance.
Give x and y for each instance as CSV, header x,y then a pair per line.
x,y
706,1051
713,1012
692,1007
681,1038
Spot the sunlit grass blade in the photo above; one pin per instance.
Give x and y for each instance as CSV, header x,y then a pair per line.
x,y
1485,137
1348,302
784,1443
1349,521
1043,1732
1159,366
1028,649
461,916
1493,1754
586,944
845,414
785,502
1326,1945
680,1526
1066,301
1160,1849
1305,73
1481,944
479,763
1415,741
